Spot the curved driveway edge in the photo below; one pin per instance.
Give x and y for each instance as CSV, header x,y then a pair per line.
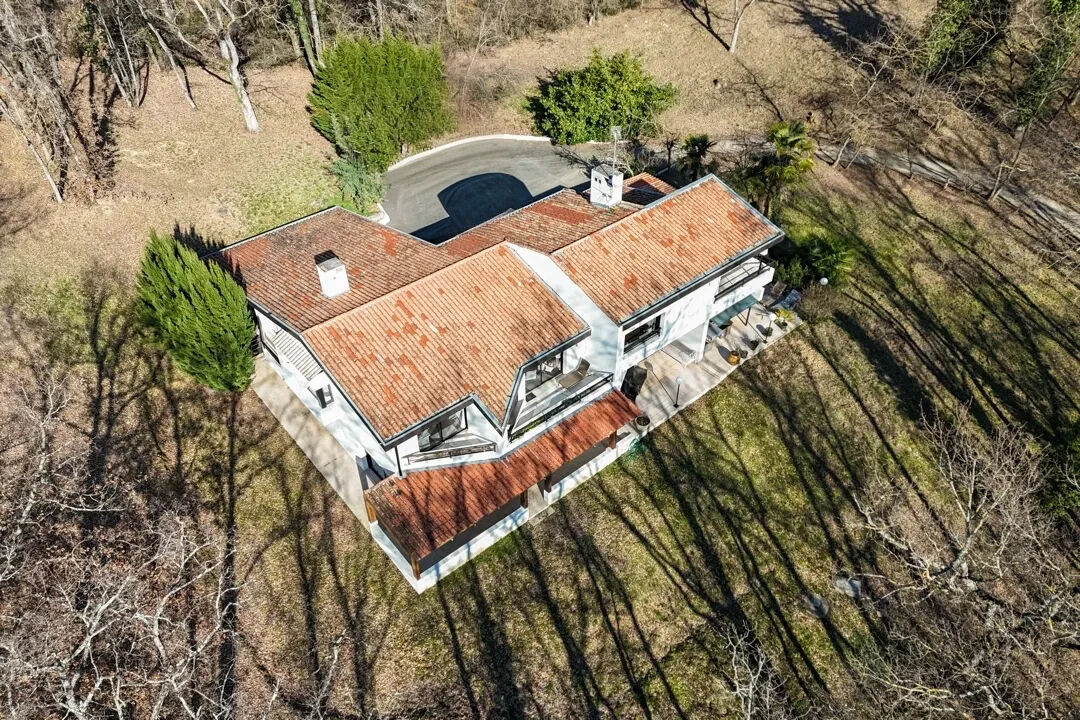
x,y
441,192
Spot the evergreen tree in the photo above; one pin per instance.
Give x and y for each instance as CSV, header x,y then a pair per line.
x,y
372,98
197,313
575,106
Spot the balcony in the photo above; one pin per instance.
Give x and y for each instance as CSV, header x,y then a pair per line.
x,y
461,444
554,396
742,275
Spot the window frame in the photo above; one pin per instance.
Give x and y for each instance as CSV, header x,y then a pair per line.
x,y
652,329
541,376
437,429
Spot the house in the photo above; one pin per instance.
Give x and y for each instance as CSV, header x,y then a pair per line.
x,y
472,383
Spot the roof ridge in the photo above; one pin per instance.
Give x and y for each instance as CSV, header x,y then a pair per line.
x,y
256,236
408,285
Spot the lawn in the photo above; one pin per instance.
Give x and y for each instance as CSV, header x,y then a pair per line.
x,y
733,512
617,603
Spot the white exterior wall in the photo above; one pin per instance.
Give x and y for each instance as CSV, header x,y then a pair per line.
x,y
677,319
604,345
755,287
478,424
339,417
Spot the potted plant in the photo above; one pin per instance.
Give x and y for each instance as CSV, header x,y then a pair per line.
x,y
784,317
754,344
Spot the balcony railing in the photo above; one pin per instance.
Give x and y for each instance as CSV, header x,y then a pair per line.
x,y
740,277
454,447
572,397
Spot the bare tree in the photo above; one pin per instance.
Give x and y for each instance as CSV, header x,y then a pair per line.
x,y
224,22
982,604
107,603
756,686
34,98
738,13
118,28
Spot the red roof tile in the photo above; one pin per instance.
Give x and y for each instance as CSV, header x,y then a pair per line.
x,y
465,329
546,225
425,510
635,262
277,268
644,188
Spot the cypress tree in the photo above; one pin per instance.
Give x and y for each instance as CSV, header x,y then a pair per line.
x,y
197,313
371,98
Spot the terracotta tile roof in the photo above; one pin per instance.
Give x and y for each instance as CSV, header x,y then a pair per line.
x,y
277,268
631,264
464,329
425,510
643,188
545,225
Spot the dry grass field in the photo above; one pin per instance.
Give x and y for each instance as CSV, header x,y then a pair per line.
x,y
199,168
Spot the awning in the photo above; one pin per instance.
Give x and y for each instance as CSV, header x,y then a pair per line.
x,y
726,316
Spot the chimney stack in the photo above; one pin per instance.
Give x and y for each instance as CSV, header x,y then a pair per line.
x,y
332,276
606,186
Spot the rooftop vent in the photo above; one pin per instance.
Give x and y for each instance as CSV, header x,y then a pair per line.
x,y
332,276
605,188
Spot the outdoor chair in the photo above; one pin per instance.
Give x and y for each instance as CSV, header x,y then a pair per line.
x,y
571,379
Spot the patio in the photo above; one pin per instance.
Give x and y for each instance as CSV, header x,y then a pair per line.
x,y
673,383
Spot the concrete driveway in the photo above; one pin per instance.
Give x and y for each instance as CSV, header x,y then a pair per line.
x,y
439,194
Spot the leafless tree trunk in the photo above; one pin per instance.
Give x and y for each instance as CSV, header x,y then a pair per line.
x,y
35,97
316,32
177,68
739,10
221,21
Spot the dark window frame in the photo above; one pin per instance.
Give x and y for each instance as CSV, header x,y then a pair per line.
x,y
642,333
436,430
542,376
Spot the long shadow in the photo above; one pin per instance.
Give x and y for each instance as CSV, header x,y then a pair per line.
x,y
699,10
585,685
615,602
476,200
841,23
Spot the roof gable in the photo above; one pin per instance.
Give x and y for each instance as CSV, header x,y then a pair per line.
x,y
636,261
464,330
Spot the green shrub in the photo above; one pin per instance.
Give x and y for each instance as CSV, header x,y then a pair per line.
x,y
816,253
961,34
793,273
372,98
361,189
1048,73
575,106
197,313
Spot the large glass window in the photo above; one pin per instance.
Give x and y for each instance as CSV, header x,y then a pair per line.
x,y
441,430
548,369
642,334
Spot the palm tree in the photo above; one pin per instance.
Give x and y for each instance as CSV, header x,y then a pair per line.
x,y
786,166
696,149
